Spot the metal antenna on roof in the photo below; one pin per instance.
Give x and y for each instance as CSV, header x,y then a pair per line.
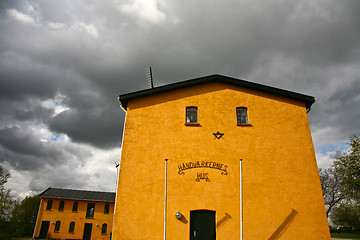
x,y
149,77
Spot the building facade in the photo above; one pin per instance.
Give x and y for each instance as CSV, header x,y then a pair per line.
x,y
218,158
75,214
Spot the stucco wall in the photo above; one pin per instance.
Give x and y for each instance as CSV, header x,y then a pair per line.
x,y
281,187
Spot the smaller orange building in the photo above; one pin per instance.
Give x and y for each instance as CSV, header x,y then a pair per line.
x,y
75,214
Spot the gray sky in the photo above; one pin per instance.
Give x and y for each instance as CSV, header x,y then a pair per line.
x,y
63,64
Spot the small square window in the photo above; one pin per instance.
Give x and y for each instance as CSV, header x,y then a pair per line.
x,y
106,208
191,115
49,205
241,115
75,207
61,205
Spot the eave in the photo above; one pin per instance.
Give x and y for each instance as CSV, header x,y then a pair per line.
x,y
308,100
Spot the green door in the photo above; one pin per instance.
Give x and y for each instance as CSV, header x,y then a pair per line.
x,y
202,225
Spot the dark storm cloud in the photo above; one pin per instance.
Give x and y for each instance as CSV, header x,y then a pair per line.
x,y
20,78
32,112
341,109
81,55
23,150
71,63
29,109
41,81
234,37
6,4
11,137
102,128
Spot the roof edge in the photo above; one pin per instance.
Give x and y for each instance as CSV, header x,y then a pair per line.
x,y
78,199
308,100
43,195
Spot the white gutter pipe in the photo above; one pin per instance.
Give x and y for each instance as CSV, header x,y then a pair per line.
x,y
241,203
165,205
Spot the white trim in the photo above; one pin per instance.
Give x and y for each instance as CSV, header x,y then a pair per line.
x,y
165,200
241,203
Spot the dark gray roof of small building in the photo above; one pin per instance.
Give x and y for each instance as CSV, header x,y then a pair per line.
x,y
308,100
78,195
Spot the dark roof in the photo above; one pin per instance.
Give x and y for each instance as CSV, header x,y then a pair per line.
x,y
308,100
78,195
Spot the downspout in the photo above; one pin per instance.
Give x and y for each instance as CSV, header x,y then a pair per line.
x,y
241,203
165,200
118,171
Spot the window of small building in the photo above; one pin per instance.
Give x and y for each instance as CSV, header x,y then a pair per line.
x,y
61,205
90,210
242,115
57,226
191,115
106,208
75,206
104,228
72,227
49,205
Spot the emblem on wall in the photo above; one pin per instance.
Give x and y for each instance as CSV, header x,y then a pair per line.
x,y
218,135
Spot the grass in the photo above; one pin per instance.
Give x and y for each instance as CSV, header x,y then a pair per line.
x,y
346,235
21,238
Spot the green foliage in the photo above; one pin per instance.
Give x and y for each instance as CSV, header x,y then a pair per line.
x,y
24,216
5,205
341,188
17,219
5,199
347,216
348,166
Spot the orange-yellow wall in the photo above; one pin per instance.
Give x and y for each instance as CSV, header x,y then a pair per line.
x,y
67,215
279,167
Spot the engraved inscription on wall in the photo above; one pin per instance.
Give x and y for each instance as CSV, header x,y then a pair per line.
x,y
223,168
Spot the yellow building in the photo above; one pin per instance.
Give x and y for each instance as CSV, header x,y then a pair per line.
x,y
75,214
218,158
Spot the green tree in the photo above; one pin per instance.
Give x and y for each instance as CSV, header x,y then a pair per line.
x,y
24,216
333,190
341,187
347,166
347,216
5,199
6,204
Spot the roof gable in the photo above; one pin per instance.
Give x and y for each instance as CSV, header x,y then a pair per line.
x,y
308,100
78,195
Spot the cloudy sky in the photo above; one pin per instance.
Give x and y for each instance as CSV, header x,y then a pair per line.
x,y
64,63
